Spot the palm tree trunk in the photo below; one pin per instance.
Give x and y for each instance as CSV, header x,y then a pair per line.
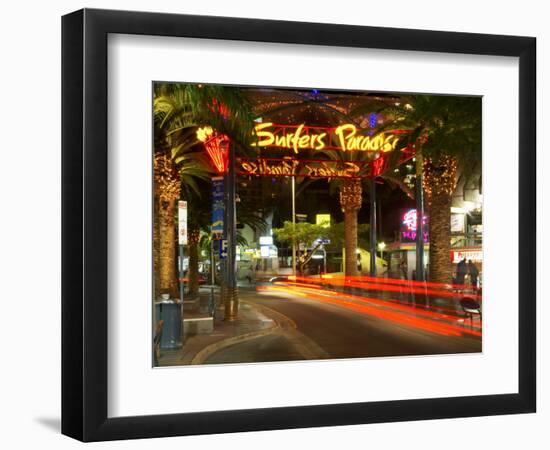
x,y
351,198
440,239
350,242
167,249
167,191
439,184
156,251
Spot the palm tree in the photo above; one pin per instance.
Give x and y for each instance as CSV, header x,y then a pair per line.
x,y
172,170
351,199
446,131
351,196
178,159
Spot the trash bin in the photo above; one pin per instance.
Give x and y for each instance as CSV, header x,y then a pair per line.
x,y
170,312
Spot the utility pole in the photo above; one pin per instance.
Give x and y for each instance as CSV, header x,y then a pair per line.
x,y
232,299
182,240
212,263
293,225
372,227
420,275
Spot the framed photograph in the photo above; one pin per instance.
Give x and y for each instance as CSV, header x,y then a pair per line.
x,y
273,225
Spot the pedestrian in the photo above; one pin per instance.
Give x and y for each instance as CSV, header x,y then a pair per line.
x,y
461,271
474,273
249,274
403,267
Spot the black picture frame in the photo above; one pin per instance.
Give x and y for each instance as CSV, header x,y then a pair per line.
x,y
84,224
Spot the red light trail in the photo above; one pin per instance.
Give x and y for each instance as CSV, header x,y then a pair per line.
x,y
418,316
390,285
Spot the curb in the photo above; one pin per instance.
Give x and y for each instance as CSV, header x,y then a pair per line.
x,y
207,351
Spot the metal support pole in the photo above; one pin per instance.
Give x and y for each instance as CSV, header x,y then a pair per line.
x,y
380,230
182,290
232,300
373,243
420,275
212,263
293,225
211,302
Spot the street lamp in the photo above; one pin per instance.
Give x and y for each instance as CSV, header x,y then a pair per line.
x,y
222,157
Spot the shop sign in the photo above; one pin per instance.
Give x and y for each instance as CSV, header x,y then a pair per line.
x,y
294,166
266,240
457,223
476,255
346,137
408,226
282,167
323,219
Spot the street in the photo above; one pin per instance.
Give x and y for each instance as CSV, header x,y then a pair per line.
x,y
317,324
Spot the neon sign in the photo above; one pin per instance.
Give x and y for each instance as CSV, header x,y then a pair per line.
x,y
409,220
217,147
292,141
349,140
280,167
262,166
409,225
344,138
318,168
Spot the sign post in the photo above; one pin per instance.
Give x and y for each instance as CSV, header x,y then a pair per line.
x,y
182,240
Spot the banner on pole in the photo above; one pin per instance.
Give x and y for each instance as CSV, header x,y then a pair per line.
x,y
182,222
218,208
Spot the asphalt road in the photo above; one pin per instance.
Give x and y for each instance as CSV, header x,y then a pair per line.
x,y
273,347
319,330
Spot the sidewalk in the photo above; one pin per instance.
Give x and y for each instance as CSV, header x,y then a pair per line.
x,y
251,323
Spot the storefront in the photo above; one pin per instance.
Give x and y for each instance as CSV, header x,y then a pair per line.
x,y
402,253
465,243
